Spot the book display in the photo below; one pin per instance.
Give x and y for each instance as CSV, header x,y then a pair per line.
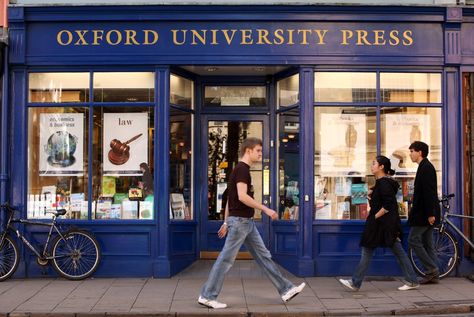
x,y
341,198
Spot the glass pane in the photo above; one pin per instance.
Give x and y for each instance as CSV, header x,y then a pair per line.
x,y
123,163
345,145
240,96
181,165
402,126
225,138
57,162
124,87
58,87
289,164
288,91
181,91
344,87
410,87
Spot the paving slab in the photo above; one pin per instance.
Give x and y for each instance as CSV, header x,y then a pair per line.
x,y
247,292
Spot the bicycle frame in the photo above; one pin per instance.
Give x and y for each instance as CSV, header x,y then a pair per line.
x,y
42,255
453,226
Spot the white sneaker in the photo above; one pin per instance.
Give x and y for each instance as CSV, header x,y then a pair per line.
x,y
295,290
348,284
408,287
211,303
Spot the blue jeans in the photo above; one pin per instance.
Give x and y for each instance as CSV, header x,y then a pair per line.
x,y
420,239
402,259
242,231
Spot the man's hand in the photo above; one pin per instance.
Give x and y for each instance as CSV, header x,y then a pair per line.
x,y
222,231
431,220
272,214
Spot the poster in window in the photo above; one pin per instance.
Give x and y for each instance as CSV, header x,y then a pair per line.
x,y
401,130
125,143
343,144
61,144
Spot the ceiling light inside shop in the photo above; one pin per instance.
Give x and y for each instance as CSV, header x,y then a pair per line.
x,y
371,130
212,69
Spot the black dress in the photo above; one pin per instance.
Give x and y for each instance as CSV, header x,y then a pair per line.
x,y
384,231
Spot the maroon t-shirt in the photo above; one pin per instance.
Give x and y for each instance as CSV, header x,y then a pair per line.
x,y
240,174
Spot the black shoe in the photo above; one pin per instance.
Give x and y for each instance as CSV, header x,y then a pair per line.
x,y
431,278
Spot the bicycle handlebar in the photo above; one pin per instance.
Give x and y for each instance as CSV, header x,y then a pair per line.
x,y
446,198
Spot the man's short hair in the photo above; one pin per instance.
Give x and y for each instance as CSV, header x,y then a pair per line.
x,y
249,143
420,147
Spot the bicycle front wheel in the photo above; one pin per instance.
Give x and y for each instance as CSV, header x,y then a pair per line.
x,y
9,257
76,256
446,249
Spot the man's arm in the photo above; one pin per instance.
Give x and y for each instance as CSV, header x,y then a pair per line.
x,y
223,229
249,201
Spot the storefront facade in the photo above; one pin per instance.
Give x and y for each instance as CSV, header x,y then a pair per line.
x,y
130,117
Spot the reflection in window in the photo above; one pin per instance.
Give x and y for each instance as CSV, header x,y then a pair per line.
x,y
215,96
289,164
344,87
181,165
410,87
225,138
58,87
400,127
123,163
124,87
181,91
57,156
345,145
288,91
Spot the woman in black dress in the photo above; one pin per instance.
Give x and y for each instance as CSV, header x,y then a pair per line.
x,y
147,179
382,228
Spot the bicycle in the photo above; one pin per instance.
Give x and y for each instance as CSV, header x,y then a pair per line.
x,y
445,243
75,254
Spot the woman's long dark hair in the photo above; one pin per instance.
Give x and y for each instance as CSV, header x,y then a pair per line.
x,y
387,165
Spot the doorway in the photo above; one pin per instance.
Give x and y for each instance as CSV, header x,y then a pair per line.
x,y
224,135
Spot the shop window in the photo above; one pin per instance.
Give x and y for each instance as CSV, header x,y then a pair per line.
x,y
181,91
123,163
345,145
288,91
181,165
410,87
235,96
344,87
57,162
58,87
224,140
288,164
400,127
124,87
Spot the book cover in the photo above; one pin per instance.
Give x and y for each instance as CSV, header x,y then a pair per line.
x,y
108,186
359,193
115,211
323,209
146,210
129,209
343,186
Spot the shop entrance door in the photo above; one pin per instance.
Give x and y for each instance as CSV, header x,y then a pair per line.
x,y
222,136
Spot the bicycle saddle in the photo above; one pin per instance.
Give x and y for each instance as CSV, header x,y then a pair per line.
x,y
60,212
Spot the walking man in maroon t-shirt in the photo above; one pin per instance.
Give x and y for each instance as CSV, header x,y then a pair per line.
x,y
240,229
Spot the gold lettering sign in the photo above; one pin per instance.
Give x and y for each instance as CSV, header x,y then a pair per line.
x,y
247,37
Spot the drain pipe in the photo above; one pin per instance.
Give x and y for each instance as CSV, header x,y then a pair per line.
x,y
4,134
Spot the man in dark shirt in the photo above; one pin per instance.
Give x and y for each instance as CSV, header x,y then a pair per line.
x,y
240,227
425,212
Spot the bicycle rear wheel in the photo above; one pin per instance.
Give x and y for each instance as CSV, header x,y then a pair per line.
x,y
77,256
9,258
447,251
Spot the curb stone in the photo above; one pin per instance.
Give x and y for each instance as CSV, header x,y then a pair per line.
x,y
434,310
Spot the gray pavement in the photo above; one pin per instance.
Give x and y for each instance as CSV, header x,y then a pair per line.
x,y
246,290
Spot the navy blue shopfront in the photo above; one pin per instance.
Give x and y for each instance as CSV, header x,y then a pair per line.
x,y
186,74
